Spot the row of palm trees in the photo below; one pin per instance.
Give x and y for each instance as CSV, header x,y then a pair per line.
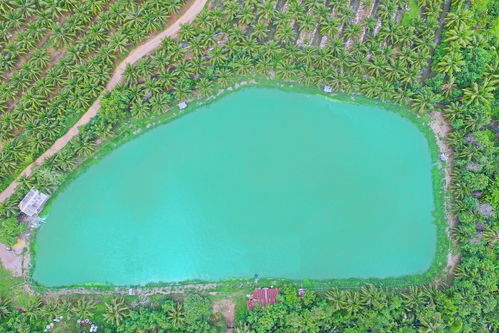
x,y
222,46
27,22
212,52
460,35
385,64
368,66
113,313
468,107
55,94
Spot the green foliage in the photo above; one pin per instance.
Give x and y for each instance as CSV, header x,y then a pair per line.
x,y
476,61
116,311
10,229
41,99
115,107
412,14
197,313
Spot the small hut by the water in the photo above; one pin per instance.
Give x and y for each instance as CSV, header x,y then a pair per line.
x,y
263,296
182,105
33,202
328,89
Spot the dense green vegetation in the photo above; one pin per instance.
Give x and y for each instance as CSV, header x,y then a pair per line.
x,y
56,58
355,47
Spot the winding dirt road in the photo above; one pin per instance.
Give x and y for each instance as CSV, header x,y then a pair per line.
x,y
144,49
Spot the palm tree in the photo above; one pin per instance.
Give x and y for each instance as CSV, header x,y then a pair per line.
x,y
197,47
140,110
309,76
352,301
176,315
9,207
243,66
204,86
323,59
479,94
430,323
459,18
335,296
372,296
159,103
5,6
260,31
352,31
224,76
243,328
187,32
306,23
412,298
182,92
449,86
264,65
131,74
32,309
459,36
246,15
64,162
267,11
84,308
451,63
308,56
116,311
61,36
423,101
4,307
84,146
330,28
173,6
53,8
230,10
118,42
284,34
285,70
491,236
166,80
217,56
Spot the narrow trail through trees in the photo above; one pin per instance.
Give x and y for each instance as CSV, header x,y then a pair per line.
x,y
142,50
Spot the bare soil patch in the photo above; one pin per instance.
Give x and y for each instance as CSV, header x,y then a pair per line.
x,y
227,308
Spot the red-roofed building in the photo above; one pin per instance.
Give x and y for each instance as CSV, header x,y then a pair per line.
x,y
263,296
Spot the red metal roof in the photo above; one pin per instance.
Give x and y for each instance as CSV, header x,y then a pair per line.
x,y
264,296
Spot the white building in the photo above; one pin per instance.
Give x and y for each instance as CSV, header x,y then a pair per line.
x,y
33,202
328,89
182,105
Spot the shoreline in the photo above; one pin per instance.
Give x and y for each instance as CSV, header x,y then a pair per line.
x,y
441,130
437,130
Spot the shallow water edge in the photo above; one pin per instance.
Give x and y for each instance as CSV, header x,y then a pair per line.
x,y
438,262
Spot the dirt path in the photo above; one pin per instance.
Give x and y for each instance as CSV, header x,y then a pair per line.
x,y
142,50
441,129
227,308
12,260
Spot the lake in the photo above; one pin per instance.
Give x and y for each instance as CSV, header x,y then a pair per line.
x,y
263,181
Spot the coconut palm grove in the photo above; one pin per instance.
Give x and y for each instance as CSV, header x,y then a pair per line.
x,y
83,82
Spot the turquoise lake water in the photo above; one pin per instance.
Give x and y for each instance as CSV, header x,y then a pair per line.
x,y
263,181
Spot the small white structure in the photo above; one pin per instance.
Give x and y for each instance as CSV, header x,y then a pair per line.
x,y
328,89
33,202
182,105
443,158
